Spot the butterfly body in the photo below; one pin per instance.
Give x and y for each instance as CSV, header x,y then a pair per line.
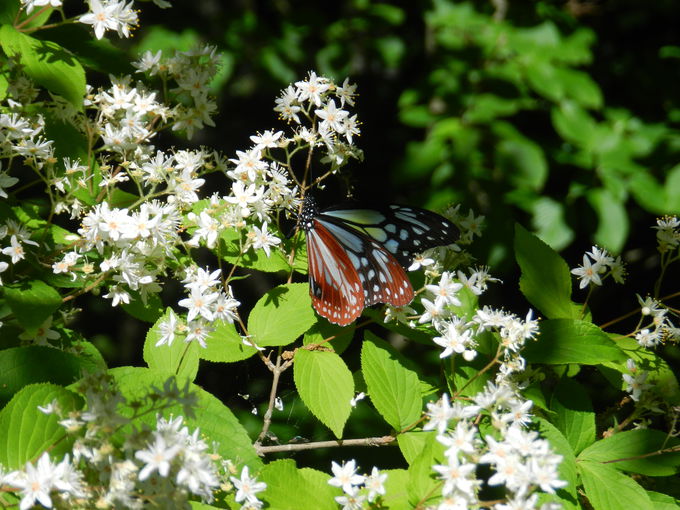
x,y
356,256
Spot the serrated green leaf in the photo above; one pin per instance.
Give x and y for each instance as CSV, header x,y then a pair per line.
x,y
225,345
179,358
21,366
394,389
608,489
26,432
563,341
47,63
612,225
340,336
574,415
422,486
290,488
633,451
216,421
412,443
326,387
560,445
663,501
32,302
281,315
545,280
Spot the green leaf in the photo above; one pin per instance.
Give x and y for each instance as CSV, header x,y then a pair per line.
x,y
567,469
563,341
281,315
421,484
341,336
573,123
179,359
98,54
396,492
574,415
547,218
545,280
523,162
32,302
580,87
149,311
608,489
21,366
225,345
26,432
47,63
290,488
663,501
612,226
394,389
634,451
326,387
412,443
217,423
230,251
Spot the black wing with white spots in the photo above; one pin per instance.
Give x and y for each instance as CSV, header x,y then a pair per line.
x,y
404,231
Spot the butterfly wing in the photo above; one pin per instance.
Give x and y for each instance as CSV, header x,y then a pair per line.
x,y
403,231
382,277
334,283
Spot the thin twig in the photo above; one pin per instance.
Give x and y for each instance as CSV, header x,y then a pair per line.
x,y
277,369
296,447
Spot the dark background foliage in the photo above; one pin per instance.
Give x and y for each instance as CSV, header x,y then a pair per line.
x,y
559,115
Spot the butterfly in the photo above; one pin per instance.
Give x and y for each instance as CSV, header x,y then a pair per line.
x,y
357,256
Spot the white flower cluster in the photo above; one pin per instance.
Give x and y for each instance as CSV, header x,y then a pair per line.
x,y
636,381
667,233
206,303
133,246
167,464
358,489
597,265
522,462
331,125
192,72
457,335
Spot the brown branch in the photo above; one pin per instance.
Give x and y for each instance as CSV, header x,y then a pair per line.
x,y
296,447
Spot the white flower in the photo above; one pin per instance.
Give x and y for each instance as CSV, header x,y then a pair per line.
x,y
199,303
345,476
157,457
445,291
312,88
247,487
243,196
457,476
375,483
167,329
262,239
332,117
6,181
587,273
35,482
102,17
15,250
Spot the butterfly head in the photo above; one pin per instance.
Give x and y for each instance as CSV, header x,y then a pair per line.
x,y
310,210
